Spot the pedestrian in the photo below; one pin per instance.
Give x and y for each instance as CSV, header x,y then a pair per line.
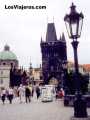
x,y
10,95
3,95
27,94
37,91
21,92
62,93
32,91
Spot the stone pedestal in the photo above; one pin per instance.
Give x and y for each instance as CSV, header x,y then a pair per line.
x,y
75,118
80,106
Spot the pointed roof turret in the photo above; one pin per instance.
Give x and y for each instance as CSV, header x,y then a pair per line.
x,y
63,37
30,65
51,33
41,39
60,38
40,66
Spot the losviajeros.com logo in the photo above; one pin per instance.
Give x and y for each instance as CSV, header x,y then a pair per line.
x,y
24,7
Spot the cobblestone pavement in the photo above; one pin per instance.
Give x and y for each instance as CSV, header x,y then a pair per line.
x,y
36,110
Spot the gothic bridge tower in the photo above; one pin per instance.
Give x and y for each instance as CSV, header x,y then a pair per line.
x,y
54,55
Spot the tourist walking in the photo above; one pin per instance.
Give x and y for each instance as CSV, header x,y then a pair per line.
x,y
37,91
32,91
10,95
27,94
3,95
21,91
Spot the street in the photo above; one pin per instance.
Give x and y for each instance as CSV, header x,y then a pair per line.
x,y
36,110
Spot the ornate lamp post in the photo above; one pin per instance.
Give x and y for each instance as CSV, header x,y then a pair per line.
x,y
74,22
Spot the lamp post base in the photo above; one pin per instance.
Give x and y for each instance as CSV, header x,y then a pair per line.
x,y
75,118
80,107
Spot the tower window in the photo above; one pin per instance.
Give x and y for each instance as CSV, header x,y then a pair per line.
x,y
52,68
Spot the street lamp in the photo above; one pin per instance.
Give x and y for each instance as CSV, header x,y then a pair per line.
x,y
74,22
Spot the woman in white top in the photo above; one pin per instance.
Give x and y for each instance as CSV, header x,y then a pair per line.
x,y
3,95
10,95
21,91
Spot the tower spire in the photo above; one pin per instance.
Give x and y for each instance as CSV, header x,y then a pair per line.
x,y
30,64
63,37
41,39
60,38
51,33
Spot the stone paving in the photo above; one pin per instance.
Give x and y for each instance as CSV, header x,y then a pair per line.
x,y
36,110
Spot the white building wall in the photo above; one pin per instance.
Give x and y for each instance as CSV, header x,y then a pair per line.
x,y
4,76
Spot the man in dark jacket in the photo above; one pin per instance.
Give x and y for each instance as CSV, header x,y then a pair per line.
x,y
38,92
27,94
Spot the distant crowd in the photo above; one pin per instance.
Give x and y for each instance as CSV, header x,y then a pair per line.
x,y
24,93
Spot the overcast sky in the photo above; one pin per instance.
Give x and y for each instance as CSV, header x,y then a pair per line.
x,y
22,29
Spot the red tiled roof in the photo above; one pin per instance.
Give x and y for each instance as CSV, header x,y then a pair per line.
x,y
87,67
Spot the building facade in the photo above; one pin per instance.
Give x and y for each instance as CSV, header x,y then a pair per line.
x,y
7,59
71,68
35,75
54,55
